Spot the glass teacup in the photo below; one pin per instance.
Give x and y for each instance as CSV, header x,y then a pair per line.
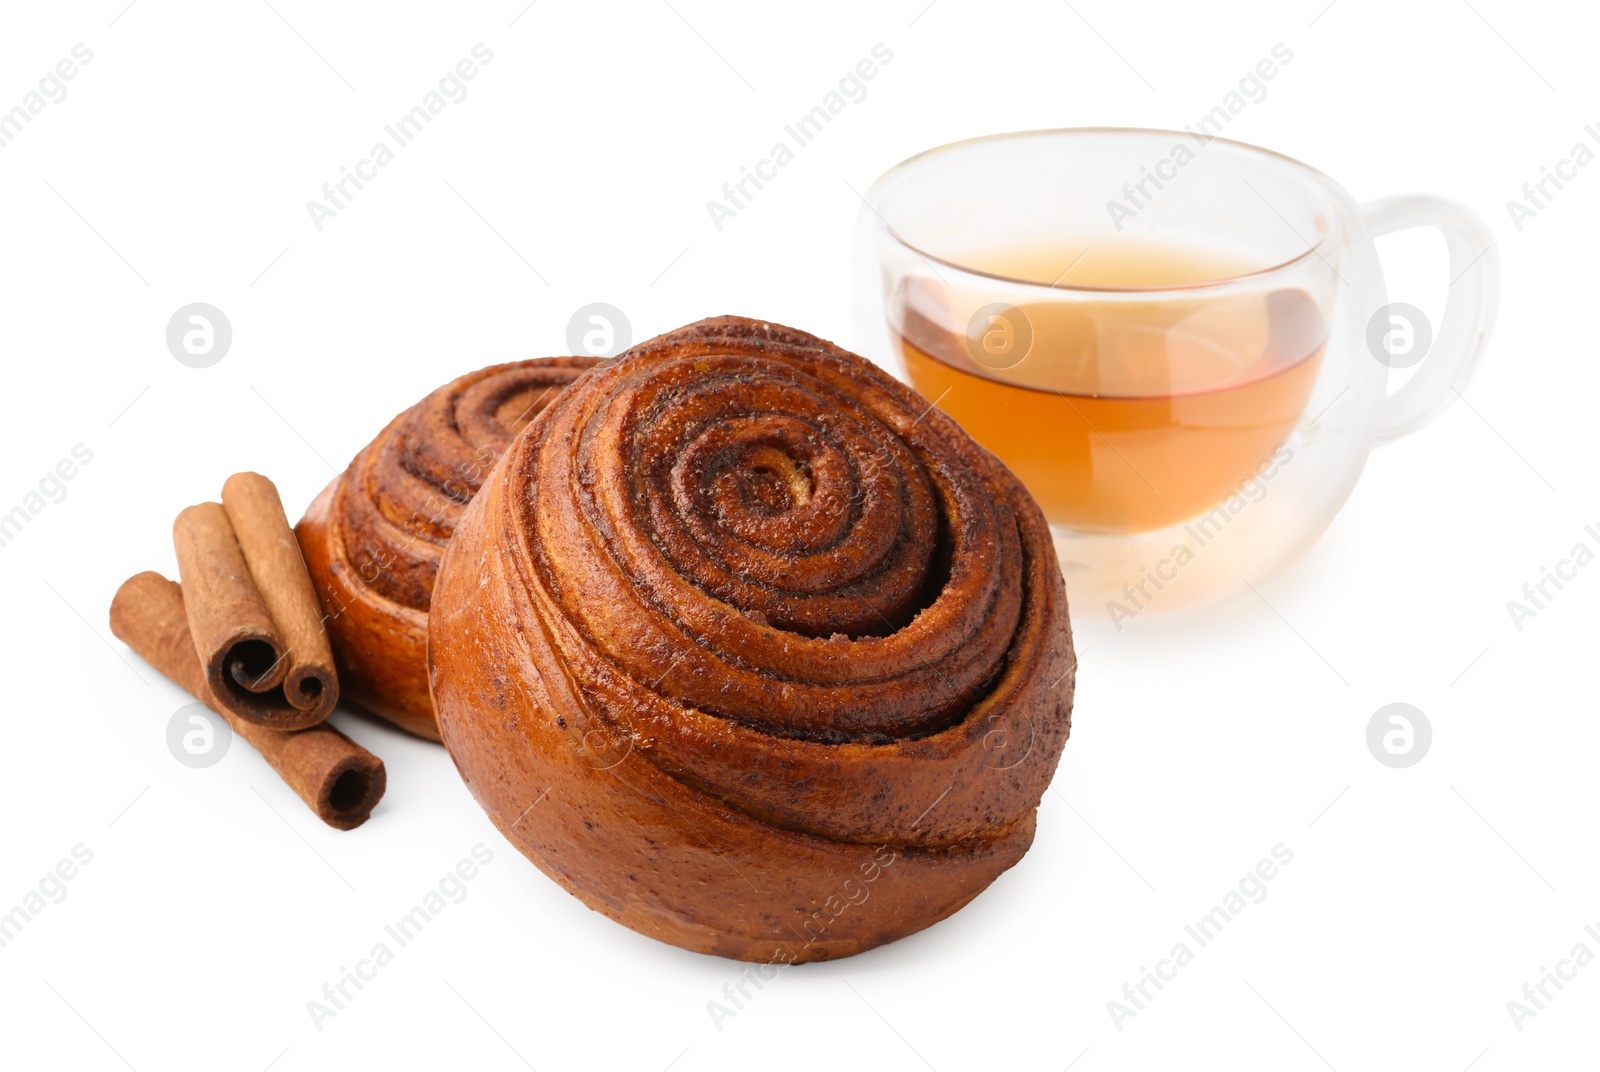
x,y
1181,344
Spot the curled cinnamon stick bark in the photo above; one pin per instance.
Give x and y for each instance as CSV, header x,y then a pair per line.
x,y
279,572
234,635
241,647
337,778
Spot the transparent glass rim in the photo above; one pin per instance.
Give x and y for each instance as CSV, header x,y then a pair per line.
x,y
1314,250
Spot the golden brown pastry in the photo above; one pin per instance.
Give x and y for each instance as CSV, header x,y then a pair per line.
x,y
373,538
753,650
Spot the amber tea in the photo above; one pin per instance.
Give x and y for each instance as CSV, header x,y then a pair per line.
x,y
1126,410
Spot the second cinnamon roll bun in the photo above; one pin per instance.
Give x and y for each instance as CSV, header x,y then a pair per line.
x,y
372,540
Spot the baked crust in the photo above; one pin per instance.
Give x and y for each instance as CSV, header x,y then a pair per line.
x,y
374,537
753,650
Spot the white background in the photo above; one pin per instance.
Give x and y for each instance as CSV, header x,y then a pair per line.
x,y
1419,901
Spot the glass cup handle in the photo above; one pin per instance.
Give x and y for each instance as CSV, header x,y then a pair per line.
x,y
1469,307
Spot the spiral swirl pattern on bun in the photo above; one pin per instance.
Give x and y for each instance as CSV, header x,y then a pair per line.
x,y
374,537
764,623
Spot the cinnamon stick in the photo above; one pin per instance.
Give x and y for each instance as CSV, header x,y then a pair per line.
x,y
280,575
240,648
337,778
